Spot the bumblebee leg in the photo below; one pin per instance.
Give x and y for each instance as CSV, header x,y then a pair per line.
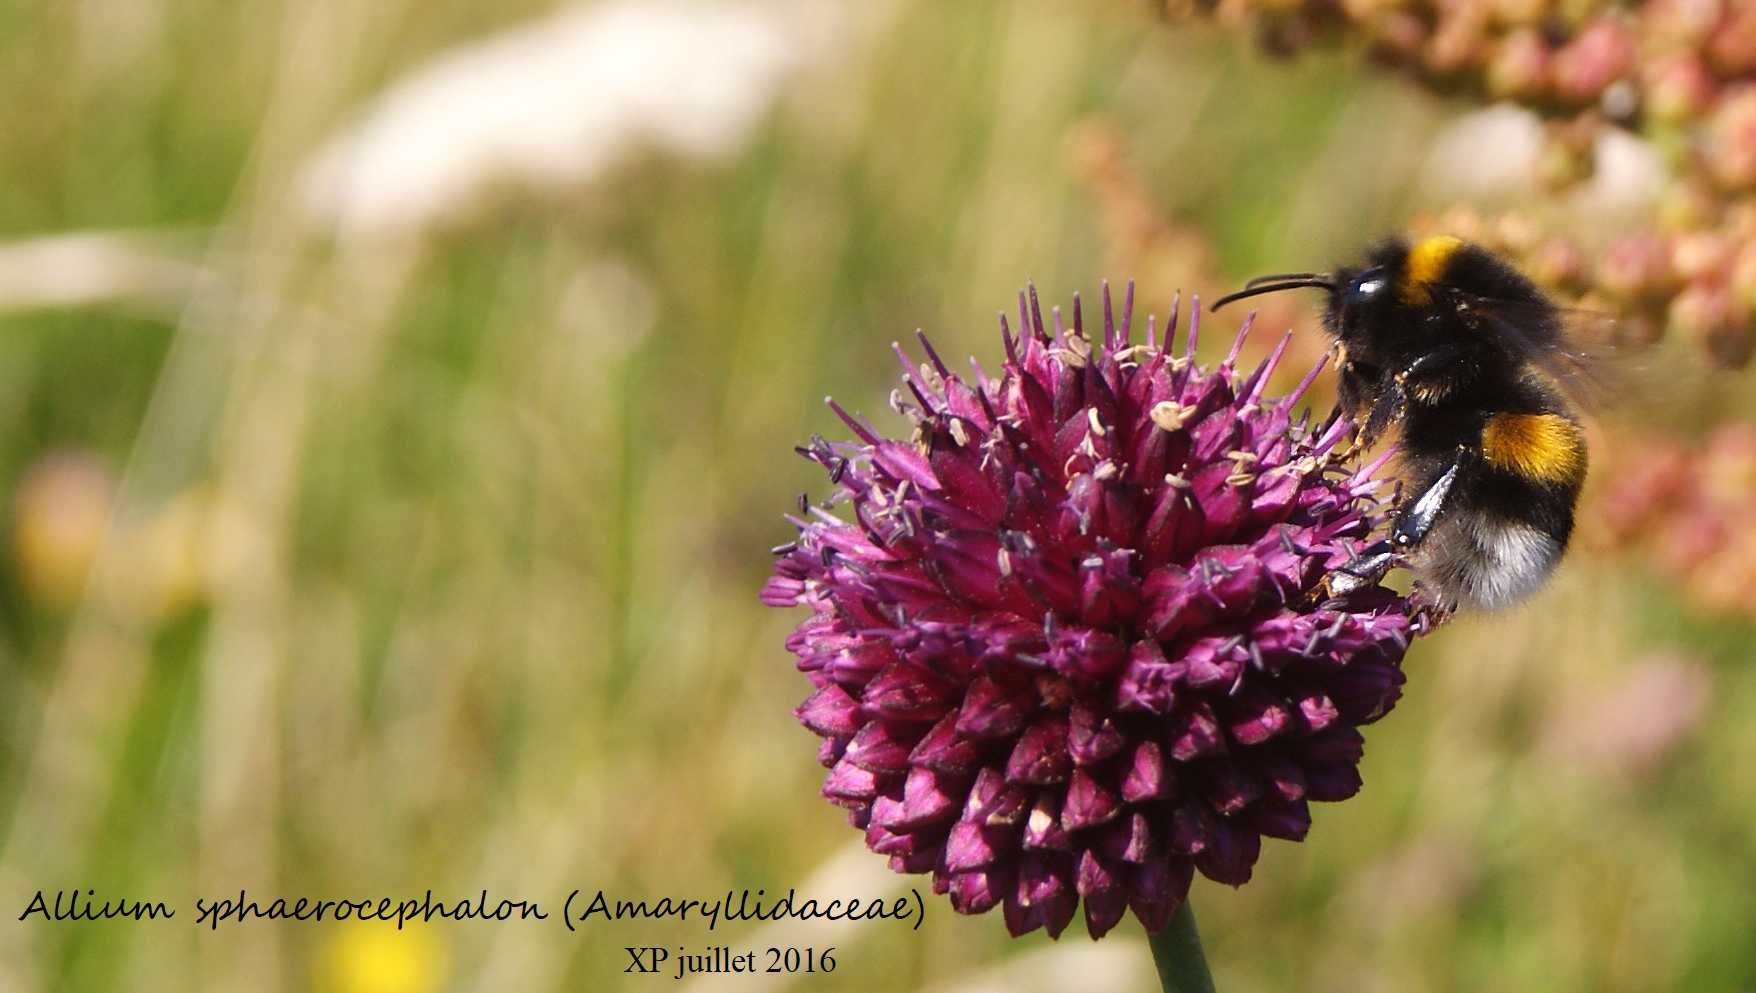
x,y
1428,363
1366,568
1420,380
1430,610
1389,407
1370,564
1415,520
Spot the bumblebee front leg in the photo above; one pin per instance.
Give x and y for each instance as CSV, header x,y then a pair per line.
x,y
1427,379
1366,568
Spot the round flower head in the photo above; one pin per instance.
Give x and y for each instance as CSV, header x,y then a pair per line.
x,y
1071,639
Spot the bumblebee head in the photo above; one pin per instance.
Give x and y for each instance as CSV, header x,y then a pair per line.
x,y
1406,298
1357,298
1361,298
1376,310
1361,302
1396,277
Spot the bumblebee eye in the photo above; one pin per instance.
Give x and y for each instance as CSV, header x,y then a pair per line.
x,y
1365,287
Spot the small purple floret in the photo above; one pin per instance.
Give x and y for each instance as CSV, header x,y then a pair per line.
x,y
1069,639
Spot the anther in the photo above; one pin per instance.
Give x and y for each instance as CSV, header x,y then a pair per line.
x,y
1169,415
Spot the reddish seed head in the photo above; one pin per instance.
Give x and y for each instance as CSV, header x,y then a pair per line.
x,y
1519,68
1458,43
1675,24
1556,263
1706,313
1395,36
1732,46
1730,147
1520,12
1636,267
1068,641
1595,58
1678,87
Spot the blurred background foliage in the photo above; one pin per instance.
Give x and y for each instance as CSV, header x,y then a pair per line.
x,y
397,409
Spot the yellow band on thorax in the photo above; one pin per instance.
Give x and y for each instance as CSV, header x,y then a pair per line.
x,y
1548,448
1426,263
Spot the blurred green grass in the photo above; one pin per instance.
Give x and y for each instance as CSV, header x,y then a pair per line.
x,y
478,518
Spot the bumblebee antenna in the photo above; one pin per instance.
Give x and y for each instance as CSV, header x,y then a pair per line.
x,y
1284,276
1289,281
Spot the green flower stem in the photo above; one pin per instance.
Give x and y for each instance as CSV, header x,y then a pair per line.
x,y
1182,968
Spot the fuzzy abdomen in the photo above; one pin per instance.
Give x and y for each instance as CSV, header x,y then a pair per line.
x,y
1509,518
1482,561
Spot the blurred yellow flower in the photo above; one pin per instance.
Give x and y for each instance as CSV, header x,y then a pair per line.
x,y
61,511
378,958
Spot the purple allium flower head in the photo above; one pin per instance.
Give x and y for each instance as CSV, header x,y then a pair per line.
x,y
1069,639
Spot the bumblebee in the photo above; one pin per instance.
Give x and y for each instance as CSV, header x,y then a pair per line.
x,y
1468,359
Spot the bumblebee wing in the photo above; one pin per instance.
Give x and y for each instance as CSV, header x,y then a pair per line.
x,y
1573,348
1582,359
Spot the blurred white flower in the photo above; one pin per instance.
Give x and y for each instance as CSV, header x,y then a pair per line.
x,y
151,271
1493,155
1484,154
554,105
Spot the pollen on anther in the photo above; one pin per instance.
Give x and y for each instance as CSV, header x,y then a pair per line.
x,y
1170,415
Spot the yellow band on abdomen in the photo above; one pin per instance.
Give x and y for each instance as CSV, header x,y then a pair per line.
x,y
1545,447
